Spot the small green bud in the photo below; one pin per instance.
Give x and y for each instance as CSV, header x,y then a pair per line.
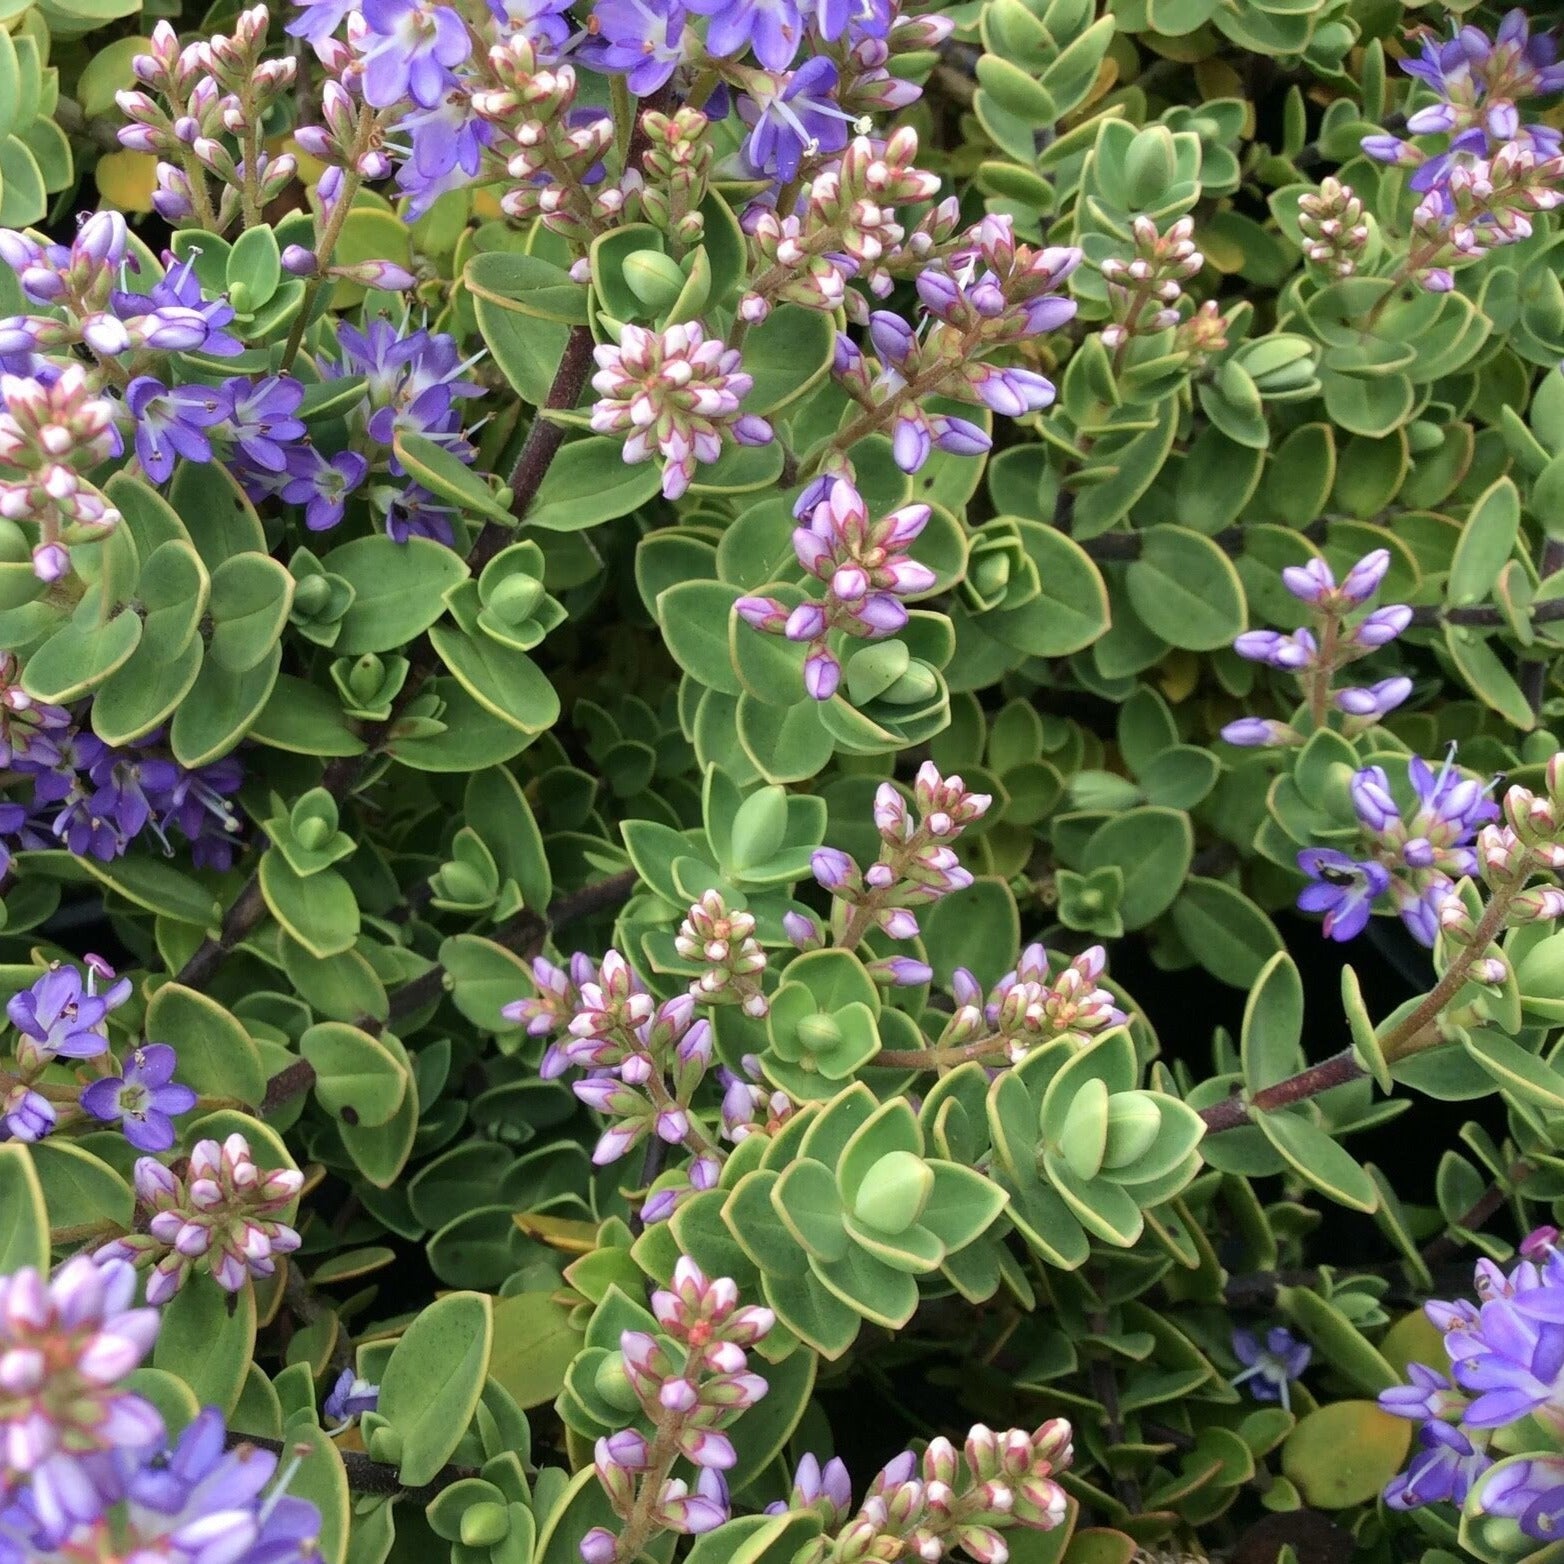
x,y
1085,1136
484,1524
894,1192
1134,1122
462,883
874,669
1540,973
654,278
613,1384
312,833
367,677
819,1034
916,687
311,596
991,572
242,297
385,1444
515,599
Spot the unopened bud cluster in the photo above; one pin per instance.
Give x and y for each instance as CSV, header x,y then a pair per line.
x,y
917,865
644,1060
192,101
1027,1008
1145,293
220,1215
725,945
690,1382
1334,232
956,1501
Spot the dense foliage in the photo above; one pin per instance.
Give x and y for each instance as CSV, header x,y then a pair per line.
x,y
623,626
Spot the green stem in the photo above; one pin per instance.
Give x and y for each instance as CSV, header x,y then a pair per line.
x,y
326,243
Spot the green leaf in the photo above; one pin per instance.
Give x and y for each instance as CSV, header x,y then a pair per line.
x,y
207,1339
320,911
504,682
217,1056
24,1220
448,478
588,482
1491,682
1070,611
224,707
527,284
1487,541
400,590
251,597
535,1342
1273,1025
1185,590
80,656
978,928
693,617
1152,847
357,1078
1230,936
80,1189
432,1383
1319,1160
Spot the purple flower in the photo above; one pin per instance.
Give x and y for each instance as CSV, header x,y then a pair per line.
x,y
411,47
145,1099
177,297
62,1020
1269,1369
1343,888
644,39
772,28
350,1397
25,1115
322,485
66,1345
1446,1465
197,1502
260,420
319,19
172,421
796,115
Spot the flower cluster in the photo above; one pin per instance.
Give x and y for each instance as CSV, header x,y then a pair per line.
x,y
95,800
1316,654
58,1017
917,864
724,943
952,1501
1494,170
1415,856
644,1060
66,1345
1028,1008
89,1474
866,570
221,1216
1334,232
1145,293
1504,1354
691,1381
989,293
676,392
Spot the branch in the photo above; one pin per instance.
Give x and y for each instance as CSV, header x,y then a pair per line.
x,y
1486,1206
365,1474
1232,1111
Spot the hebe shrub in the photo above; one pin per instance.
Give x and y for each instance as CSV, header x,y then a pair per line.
x,y
624,626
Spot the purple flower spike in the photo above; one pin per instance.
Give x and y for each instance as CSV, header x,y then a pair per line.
x,y
411,48
145,1099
